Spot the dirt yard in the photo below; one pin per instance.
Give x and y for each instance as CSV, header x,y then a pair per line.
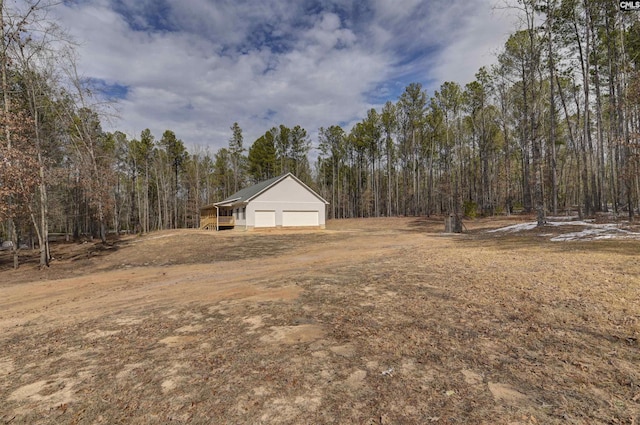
x,y
378,321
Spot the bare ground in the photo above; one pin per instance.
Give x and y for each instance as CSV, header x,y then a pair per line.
x,y
372,321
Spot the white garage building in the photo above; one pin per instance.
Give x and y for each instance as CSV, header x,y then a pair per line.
x,y
282,201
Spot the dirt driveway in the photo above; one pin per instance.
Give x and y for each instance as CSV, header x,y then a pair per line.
x,y
371,321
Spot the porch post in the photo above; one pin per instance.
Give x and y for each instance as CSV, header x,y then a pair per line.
x,y
217,220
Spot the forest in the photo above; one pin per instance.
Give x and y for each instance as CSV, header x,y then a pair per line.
x,y
553,127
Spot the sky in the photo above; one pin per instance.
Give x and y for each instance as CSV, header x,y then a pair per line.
x,y
197,66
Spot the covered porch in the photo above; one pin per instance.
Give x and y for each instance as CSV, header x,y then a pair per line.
x,y
215,217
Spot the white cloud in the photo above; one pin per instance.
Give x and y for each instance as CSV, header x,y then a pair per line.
x,y
472,43
271,62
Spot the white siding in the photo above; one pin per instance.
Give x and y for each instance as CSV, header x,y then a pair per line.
x,y
239,214
286,196
287,190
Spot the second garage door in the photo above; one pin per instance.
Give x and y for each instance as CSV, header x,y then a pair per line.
x,y
300,218
265,219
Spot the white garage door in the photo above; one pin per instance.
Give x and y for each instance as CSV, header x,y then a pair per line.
x,y
300,218
265,219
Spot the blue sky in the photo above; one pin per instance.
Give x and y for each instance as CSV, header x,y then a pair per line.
x,y
198,66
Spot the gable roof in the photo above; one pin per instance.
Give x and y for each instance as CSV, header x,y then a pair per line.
x,y
248,193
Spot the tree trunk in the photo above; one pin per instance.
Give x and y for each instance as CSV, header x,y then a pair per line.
x,y
552,111
11,227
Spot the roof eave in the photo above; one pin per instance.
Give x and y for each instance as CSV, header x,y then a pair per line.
x,y
296,179
227,202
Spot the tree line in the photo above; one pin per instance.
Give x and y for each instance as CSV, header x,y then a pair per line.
x,y
552,126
